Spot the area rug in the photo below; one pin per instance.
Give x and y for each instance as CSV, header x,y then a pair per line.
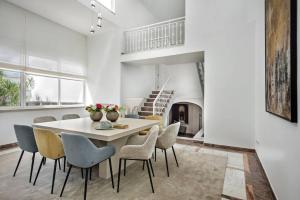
x,y
199,177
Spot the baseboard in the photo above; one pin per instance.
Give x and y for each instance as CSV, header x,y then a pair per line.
x,y
8,146
265,175
229,147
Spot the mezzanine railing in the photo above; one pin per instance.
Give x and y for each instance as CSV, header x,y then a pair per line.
x,y
155,36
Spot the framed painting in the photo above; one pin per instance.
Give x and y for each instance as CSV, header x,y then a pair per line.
x,y
281,58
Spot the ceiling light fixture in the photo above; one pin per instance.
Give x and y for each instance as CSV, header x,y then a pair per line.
x,y
98,19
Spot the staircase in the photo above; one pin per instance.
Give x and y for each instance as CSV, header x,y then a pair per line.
x,y
160,106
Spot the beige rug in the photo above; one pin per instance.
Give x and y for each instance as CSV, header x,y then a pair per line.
x,y
199,177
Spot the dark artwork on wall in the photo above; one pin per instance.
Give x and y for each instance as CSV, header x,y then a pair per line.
x,y
281,58
180,113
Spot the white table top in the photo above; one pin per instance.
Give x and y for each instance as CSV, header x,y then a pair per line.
x,y
86,127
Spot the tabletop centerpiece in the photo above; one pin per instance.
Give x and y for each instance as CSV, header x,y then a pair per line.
x,y
112,113
95,112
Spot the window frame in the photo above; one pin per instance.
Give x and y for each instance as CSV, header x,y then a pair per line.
x,y
113,4
31,71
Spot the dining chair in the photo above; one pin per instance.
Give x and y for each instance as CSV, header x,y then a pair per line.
x,y
82,153
50,146
44,119
70,116
166,140
139,148
26,142
153,117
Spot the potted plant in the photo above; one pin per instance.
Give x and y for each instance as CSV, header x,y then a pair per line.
x,y
95,112
112,113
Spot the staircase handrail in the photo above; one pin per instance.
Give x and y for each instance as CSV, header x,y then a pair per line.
x,y
159,94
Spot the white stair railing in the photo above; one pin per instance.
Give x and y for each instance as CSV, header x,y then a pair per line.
x,y
155,36
158,98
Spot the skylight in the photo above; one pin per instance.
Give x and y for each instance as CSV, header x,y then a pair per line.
x,y
109,4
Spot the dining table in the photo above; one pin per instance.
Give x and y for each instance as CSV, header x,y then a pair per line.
x,y
115,136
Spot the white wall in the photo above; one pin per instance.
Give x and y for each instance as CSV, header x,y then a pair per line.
x,y
221,28
277,140
45,41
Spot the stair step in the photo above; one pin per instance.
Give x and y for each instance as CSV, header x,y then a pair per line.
x,y
164,92
161,96
150,104
163,100
150,108
147,113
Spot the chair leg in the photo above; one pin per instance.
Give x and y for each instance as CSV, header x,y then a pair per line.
x,y
44,163
18,163
85,182
151,167
64,163
38,172
81,172
32,164
91,173
53,177
175,156
166,162
120,163
59,164
143,164
124,167
155,154
149,173
63,188
111,174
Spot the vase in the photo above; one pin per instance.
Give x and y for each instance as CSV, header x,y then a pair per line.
x,y
96,116
112,116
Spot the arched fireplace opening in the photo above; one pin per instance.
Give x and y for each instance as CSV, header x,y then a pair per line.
x,y
189,115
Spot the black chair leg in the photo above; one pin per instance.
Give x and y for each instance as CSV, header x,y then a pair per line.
x,y
124,167
149,173
64,163
175,156
166,162
44,163
32,164
120,163
91,173
18,163
81,172
151,167
85,182
143,164
38,172
63,188
155,154
111,174
54,172
59,164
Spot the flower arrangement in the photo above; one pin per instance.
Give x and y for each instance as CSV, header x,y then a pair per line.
x,y
94,108
111,108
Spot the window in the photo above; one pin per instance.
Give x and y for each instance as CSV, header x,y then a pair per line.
x,y
9,88
41,90
109,4
71,91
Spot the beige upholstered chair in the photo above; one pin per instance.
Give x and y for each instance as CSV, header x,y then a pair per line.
x,y
139,148
166,140
70,116
153,117
44,119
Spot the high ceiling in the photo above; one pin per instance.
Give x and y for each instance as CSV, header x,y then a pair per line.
x,y
76,16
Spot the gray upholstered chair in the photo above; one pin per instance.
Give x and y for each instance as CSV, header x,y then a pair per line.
x,y
166,140
81,152
44,119
26,142
139,148
70,116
